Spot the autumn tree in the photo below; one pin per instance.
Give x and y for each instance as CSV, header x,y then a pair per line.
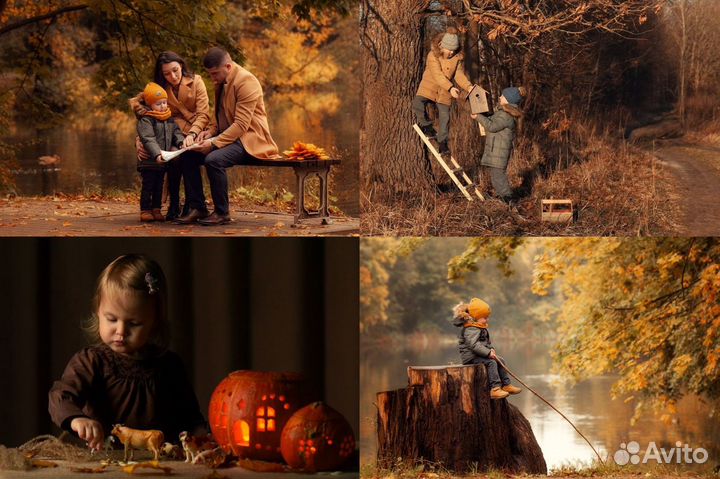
x,y
119,40
406,287
538,43
688,34
646,309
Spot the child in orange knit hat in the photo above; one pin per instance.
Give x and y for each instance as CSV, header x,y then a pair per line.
x,y
475,346
157,132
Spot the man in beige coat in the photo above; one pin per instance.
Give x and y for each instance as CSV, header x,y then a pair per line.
x,y
239,129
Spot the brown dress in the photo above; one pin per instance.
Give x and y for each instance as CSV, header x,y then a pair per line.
x,y
148,393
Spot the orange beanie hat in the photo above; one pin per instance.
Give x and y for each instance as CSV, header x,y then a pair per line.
x,y
152,93
479,309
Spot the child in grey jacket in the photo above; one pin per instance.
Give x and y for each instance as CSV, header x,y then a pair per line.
x,y
475,346
500,127
157,132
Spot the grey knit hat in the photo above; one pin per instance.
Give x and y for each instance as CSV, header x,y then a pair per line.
x,y
450,42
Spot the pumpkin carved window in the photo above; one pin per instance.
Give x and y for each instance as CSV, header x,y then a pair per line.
x,y
265,419
249,409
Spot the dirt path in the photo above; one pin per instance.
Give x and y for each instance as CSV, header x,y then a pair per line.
x,y
53,217
696,171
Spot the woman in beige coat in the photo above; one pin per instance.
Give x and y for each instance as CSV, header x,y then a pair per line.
x,y
444,66
189,105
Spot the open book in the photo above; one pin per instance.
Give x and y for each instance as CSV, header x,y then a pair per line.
x,y
171,155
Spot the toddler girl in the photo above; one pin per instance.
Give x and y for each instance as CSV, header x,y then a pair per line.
x,y
127,376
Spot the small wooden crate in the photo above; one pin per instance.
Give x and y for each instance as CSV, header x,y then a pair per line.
x,y
556,211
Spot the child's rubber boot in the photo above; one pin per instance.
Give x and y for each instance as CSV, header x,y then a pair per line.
x,y
157,215
498,393
444,150
511,389
146,216
428,131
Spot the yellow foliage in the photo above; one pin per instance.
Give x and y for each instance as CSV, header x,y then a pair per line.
x,y
291,53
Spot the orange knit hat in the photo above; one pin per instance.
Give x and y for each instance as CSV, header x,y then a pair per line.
x,y
479,309
152,93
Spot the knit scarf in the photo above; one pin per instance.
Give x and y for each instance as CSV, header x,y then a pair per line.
x,y
471,324
162,116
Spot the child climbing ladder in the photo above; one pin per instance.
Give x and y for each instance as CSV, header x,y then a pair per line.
x,y
443,67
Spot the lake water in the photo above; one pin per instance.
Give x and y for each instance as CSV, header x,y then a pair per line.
x,y
605,422
102,159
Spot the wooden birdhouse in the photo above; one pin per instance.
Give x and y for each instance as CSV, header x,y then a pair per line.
x,y
478,100
556,211
249,409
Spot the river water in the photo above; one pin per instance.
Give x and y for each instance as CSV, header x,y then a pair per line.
x,y
99,158
606,422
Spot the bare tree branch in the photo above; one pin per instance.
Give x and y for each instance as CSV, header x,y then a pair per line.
x,y
28,21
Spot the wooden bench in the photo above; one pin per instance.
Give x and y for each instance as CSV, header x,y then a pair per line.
x,y
304,169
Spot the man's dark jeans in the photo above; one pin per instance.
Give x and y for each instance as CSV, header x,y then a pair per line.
x,y
190,162
216,162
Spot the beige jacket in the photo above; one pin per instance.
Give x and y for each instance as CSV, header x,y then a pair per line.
x,y
191,109
439,75
244,110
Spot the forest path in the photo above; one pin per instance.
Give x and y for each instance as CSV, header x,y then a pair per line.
x,y
695,175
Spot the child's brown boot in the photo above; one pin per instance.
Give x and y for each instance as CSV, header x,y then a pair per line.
x,y
498,393
146,216
157,215
511,389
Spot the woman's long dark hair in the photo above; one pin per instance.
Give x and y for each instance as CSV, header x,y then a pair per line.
x,y
169,57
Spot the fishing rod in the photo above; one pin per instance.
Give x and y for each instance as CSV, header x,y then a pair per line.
x,y
548,403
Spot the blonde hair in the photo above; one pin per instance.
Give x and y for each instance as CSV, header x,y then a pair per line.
x,y
139,275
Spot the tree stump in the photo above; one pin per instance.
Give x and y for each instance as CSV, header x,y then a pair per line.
x,y
446,416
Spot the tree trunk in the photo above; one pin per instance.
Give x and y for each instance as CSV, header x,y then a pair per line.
x,y
446,416
465,143
394,158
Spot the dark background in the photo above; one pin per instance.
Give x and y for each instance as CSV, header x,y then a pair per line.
x,y
268,304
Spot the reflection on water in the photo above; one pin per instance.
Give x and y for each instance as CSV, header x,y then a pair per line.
x,y
605,422
103,159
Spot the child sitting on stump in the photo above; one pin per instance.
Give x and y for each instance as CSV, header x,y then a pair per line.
x,y
475,346
444,65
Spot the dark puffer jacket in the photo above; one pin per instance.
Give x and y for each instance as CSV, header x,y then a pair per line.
x,y
157,135
473,342
500,129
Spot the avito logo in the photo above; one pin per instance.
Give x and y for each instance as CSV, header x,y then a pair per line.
x,y
680,454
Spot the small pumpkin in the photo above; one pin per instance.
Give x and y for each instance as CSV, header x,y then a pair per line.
x,y
317,438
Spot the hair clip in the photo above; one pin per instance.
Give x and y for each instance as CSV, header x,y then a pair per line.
x,y
151,283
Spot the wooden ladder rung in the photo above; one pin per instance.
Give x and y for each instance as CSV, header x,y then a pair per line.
x,y
451,171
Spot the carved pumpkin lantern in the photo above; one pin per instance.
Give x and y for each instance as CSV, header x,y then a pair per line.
x,y
248,410
317,438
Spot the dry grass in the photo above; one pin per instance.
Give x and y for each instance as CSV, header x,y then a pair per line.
x,y
425,470
617,189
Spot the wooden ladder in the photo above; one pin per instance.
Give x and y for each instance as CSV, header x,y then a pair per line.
x,y
452,172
